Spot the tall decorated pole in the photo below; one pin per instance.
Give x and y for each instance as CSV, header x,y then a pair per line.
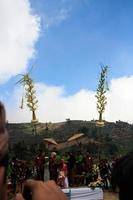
x,y
30,95
101,104
101,95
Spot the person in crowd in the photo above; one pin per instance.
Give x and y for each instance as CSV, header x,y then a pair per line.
x,y
122,177
105,172
62,179
88,159
79,162
72,170
39,165
14,173
88,166
53,166
46,169
19,173
3,152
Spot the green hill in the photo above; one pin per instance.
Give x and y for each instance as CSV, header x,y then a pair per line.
x,y
114,138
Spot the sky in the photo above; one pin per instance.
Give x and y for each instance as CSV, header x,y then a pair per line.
x,y
66,42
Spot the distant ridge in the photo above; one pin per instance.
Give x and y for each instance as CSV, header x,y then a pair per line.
x,y
117,135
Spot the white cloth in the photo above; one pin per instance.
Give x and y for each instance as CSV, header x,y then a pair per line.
x,y
84,193
66,182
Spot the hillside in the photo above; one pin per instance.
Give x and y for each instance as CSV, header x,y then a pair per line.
x,y
114,138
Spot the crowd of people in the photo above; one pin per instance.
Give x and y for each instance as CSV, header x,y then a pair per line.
x,y
37,190
68,170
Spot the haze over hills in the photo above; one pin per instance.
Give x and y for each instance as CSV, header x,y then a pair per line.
x,y
114,138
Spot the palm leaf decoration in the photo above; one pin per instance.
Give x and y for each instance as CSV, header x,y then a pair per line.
x,y
30,94
101,94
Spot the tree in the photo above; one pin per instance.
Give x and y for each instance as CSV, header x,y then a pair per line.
x,y
101,91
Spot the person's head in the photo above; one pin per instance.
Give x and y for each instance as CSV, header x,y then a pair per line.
x,y
46,159
53,155
122,177
63,161
87,154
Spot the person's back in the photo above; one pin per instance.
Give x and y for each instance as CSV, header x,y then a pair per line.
x,y
122,177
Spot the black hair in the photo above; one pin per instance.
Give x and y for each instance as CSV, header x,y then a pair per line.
x,y
122,177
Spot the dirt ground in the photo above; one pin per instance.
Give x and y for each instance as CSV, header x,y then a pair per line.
x,y
110,196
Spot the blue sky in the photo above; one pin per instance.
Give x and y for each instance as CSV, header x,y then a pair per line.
x,y
92,32
67,41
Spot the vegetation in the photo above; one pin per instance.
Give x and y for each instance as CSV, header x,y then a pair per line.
x,y
117,138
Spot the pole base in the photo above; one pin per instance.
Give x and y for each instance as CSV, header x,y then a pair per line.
x,y
100,123
34,121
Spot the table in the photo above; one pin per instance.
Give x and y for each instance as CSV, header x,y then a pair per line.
x,y
84,193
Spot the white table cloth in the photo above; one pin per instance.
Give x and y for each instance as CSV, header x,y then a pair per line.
x,y
84,193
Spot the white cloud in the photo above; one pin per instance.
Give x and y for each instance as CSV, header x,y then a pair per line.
x,y
54,106
55,18
62,15
19,30
120,100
